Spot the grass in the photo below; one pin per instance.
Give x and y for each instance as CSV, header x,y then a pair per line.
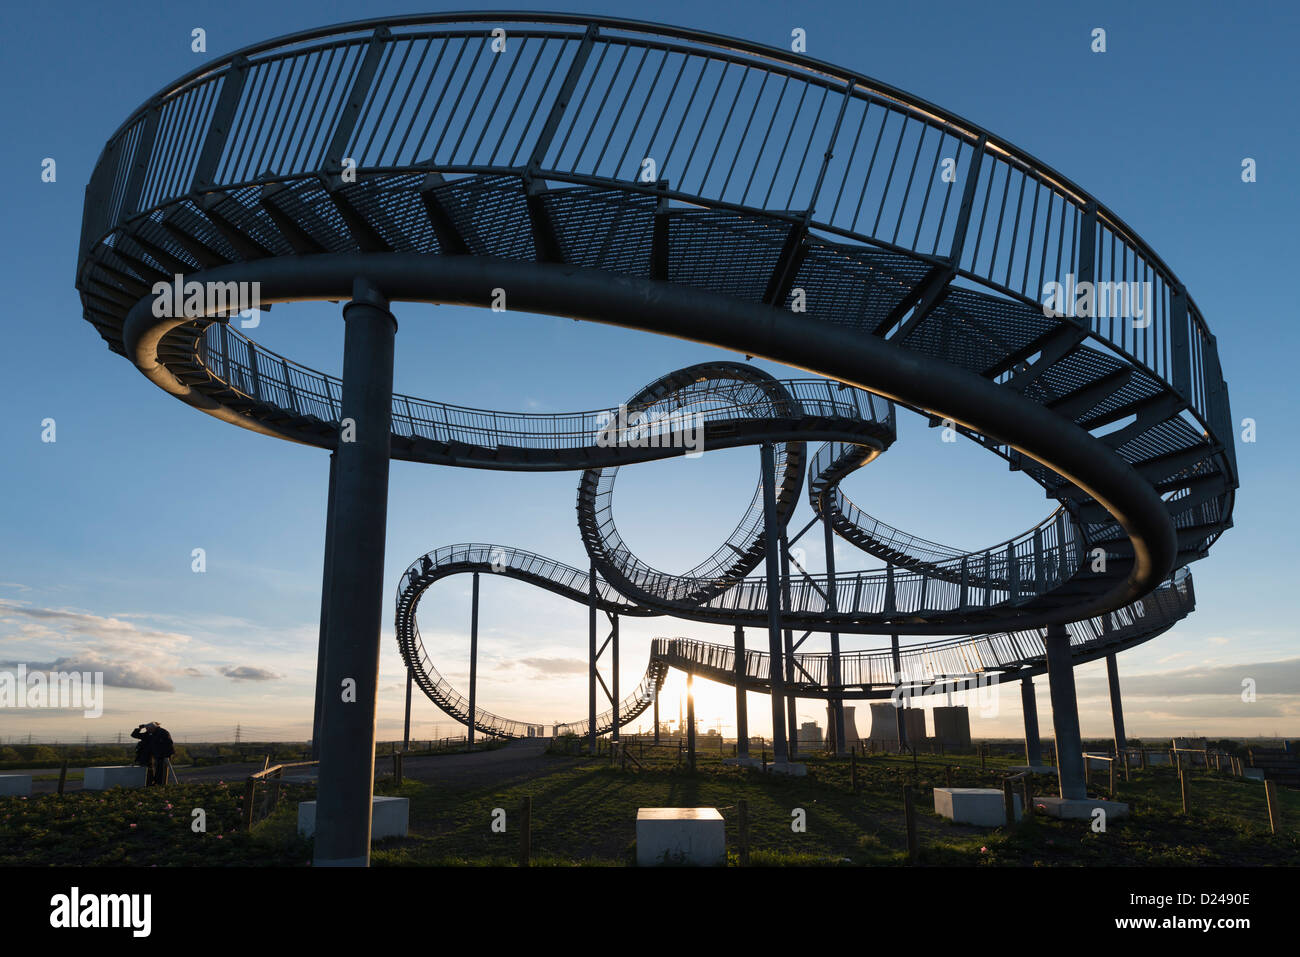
x,y
584,812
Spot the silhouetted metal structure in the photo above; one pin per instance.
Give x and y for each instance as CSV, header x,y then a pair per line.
x,y
697,186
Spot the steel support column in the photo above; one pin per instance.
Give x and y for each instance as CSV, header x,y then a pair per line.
x,y
325,590
776,684
656,715
899,724
1029,706
838,745
613,675
742,702
1116,705
354,614
591,662
406,725
690,718
473,664
1065,713
791,705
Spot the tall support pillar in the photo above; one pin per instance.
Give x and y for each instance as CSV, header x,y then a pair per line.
x,y
1029,706
690,718
591,663
780,753
838,745
354,614
1065,713
325,589
742,697
899,723
473,665
613,675
406,725
1116,705
791,703
656,715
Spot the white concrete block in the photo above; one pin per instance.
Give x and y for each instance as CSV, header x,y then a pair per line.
x,y
1079,809
15,785
101,779
680,835
389,817
792,768
980,806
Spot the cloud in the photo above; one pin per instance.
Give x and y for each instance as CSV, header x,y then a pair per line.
x,y
1271,678
553,667
116,674
248,673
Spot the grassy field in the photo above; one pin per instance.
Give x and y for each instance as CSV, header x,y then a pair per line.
x,y
584,814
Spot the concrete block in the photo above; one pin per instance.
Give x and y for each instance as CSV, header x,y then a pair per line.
x,y
101,779
981,806
680,835
15,785
788,767
1253,774
1079,809
389,817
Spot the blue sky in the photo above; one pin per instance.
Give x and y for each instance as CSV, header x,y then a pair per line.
x,y
97,528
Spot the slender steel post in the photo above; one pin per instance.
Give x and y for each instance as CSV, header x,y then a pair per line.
x,y
355,613
832,606
613,674
742,702
780,754
1029,705
690,718
325,590
791,704
406,725
473,664
1116,705
656,715
899,723
1065,713
591,663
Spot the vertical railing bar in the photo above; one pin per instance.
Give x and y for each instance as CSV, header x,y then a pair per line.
x,y
527,84
600,109
362,150
286,67
515,60
889,179
351,107
762,147
256,121
911,178
613,125
442,96
570,83
798,173
1015,232
284,139
925,200
419,104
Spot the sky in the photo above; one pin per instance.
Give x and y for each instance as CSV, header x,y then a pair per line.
x,y
97,528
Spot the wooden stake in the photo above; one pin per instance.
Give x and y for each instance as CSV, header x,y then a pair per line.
x,y
526,832
1274,810
909,819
